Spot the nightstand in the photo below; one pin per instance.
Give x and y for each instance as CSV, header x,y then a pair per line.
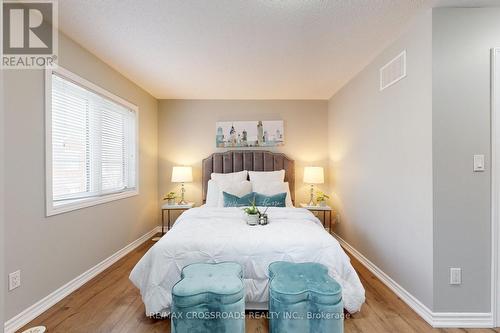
x,y
319,209
168,208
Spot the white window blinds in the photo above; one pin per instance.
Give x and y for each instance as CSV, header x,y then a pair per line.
x,y
93,143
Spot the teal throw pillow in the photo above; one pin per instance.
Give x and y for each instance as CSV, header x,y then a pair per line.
x,y
231,200
276,200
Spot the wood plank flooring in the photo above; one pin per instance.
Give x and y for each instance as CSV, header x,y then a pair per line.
x,y
110,303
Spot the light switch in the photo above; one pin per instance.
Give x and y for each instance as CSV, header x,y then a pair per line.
x,y
455,276
478,163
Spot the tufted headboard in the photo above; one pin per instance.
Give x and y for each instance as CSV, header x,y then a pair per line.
x,y
251,160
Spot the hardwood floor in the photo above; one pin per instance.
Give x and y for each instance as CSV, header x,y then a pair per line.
x,y
110,303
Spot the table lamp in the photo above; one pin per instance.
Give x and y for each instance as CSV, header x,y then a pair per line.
x,y
313,175
182,174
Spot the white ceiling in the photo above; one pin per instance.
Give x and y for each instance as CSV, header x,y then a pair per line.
x,y
239,49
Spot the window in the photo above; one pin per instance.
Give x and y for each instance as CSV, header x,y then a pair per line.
x,y
91,144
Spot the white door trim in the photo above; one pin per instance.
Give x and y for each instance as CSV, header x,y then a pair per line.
x,y
495,184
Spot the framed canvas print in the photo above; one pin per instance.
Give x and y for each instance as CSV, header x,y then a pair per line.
x,y
258,133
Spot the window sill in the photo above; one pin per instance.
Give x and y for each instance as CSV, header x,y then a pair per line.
x,y
87,202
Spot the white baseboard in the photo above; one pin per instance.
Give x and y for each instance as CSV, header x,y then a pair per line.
x,y
462,319
435,319
47,302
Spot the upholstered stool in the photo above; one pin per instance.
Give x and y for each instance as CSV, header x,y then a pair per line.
x,y
209,298
303,298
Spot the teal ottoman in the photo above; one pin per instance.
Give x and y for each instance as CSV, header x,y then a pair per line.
x,y
304,298
209,298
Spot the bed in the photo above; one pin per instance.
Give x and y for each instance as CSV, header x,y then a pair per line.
x,y
215,234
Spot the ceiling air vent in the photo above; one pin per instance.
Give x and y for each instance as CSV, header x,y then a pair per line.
x,y
393,71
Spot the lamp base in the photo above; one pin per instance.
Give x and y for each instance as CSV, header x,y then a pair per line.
x,y
183,190
311,200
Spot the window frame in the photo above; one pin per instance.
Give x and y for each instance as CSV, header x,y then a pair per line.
x,y
52,209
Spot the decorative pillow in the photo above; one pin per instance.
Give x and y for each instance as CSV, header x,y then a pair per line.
x,y
236,201
267,176
230,177
215,189
239,189
276,200
272,188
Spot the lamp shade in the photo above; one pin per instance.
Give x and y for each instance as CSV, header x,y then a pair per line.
x,y
314,175
182,174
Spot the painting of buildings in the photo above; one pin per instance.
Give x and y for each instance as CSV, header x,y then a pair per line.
x,y
230,134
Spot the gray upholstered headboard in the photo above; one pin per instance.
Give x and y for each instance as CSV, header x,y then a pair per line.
x,y
251,160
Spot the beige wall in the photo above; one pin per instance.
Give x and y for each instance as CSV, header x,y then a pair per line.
x,y
381,149
186,133
52,251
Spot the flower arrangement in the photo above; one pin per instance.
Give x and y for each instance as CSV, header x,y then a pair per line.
x,y
252,209
253,213
170,197
321,198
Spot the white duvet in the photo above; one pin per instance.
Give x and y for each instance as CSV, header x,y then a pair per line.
x,y
220,234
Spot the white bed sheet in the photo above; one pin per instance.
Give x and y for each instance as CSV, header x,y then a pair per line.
x,y
220,234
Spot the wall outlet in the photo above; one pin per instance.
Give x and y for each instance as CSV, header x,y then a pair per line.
x,y
14,280
455,276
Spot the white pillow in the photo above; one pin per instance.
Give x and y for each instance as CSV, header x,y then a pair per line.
x,y
273,188
215,198
267,176
212,194
230,177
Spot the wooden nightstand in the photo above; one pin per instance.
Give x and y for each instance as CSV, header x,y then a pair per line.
x,y
168,208
319,209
